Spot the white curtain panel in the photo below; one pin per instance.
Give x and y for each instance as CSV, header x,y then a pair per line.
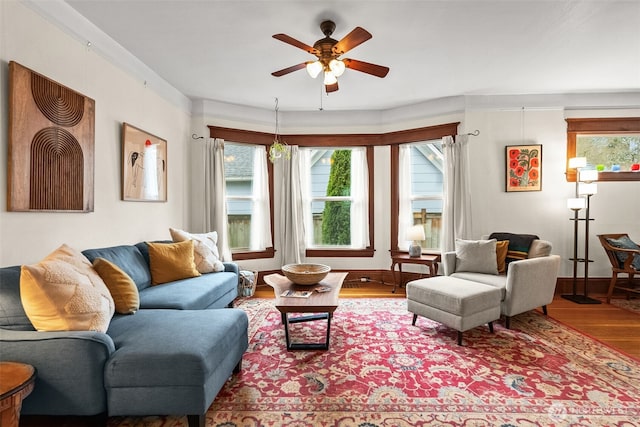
x,y
405,217
360,196
260,210
305,228
292,220
215,206
456,211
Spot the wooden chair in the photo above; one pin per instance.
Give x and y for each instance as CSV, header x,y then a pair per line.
x,y
617,266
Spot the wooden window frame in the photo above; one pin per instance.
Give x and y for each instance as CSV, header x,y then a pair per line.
x,y
369,140
607,126
426,134
254,138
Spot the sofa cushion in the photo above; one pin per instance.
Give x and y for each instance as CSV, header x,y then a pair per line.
x,y
477,256
128,258
196,293
497,281
64,293
171,261
205,249
123,290
172,347
12,315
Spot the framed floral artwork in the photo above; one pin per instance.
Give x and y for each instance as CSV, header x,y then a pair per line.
x,y
524,167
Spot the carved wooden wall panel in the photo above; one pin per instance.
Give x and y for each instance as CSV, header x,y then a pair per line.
x,y
51,145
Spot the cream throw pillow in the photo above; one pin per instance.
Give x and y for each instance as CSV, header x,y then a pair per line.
x,y
64,293
122,288
171,261
205,249
477,256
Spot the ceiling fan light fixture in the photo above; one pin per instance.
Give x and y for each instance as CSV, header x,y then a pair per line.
x,y
314,68
330,78
337,67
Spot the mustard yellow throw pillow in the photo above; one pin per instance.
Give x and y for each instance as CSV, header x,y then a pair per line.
x,y
502,247
171,261
205,249
64,293
123,290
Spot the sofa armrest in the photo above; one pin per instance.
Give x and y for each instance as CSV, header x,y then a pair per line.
x,y
69,369
232,267
449,263
531,283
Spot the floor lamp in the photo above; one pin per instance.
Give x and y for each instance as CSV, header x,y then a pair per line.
x,y
585,188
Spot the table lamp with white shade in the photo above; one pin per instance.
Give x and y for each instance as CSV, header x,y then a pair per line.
x,y
416,235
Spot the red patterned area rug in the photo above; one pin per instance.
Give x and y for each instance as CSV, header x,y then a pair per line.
x,y
381,371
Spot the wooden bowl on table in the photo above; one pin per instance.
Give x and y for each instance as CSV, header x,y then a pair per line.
x,y
306,274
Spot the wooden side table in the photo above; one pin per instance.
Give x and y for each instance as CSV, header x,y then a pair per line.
x,y
430,261
16,382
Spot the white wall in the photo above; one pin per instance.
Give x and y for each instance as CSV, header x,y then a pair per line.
x,y
31,40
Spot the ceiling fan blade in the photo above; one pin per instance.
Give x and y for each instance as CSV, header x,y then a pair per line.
x,y
356,37
366,67
297,43
289,69
331,88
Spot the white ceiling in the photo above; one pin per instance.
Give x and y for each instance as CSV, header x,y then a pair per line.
x,y
223,50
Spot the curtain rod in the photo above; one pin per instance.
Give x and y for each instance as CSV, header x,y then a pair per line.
x,y
474,133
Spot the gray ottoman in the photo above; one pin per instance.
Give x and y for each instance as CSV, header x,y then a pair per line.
x,y
457,303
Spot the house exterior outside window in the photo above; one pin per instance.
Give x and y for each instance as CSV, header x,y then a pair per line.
x,y
421,191
247,197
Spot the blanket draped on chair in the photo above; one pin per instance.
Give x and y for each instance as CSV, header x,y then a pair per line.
x,y
519,244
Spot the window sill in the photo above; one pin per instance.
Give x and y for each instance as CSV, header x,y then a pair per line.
x,y
240,256
329,253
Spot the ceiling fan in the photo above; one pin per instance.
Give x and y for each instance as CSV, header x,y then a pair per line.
x,y
328,51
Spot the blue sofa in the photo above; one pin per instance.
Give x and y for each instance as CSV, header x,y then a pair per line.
x,y
171,357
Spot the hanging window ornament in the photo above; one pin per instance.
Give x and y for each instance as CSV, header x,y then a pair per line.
x,y
279,147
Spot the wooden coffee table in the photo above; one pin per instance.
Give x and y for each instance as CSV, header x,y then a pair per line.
x,y
323,304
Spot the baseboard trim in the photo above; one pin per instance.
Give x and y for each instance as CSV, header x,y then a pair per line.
x,y
596,285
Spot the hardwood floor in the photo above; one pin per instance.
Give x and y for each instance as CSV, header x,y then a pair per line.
x,y
616,327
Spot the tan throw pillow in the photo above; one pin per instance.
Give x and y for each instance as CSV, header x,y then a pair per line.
x,y
205,249
123,290
171,261
477,256
64,293
501,255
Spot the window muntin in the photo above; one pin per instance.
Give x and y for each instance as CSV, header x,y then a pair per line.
x,y
425,197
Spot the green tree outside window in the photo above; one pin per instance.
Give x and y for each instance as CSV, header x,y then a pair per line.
x,y
336,218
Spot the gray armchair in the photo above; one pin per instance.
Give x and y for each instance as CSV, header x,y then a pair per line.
x,y
528,283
